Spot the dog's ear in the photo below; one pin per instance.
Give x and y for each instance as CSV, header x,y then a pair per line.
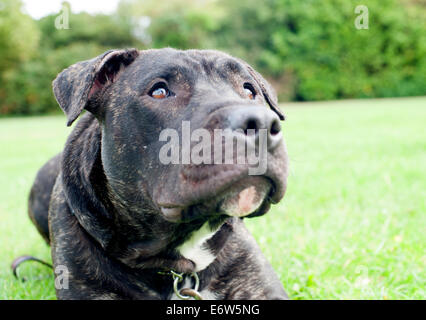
x,y
76,85
268,92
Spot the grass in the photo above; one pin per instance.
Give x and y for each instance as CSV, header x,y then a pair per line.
x,y
352,224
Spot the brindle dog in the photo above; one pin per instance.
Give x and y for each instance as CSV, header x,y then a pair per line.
x,y
115,216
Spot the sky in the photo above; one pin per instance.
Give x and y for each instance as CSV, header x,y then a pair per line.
x,y
41,8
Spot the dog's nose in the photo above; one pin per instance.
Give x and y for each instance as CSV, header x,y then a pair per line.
x,y
253,120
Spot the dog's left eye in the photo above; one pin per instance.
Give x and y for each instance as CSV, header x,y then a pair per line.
x,y
159,91
249,91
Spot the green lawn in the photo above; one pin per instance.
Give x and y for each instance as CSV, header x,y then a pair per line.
x,y
352,225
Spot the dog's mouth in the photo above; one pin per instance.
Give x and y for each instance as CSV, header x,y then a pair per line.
x,y
244,197
199,191
247,197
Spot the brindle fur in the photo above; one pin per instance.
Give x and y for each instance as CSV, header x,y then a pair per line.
x,y
96,203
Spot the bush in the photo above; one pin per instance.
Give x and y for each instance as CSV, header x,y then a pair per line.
x,y
309,50
27,88
317,45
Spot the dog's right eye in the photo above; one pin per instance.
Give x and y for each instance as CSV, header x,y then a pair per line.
x,y
249,91
159,91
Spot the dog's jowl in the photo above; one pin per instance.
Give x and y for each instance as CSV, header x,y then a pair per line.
x,y
126,224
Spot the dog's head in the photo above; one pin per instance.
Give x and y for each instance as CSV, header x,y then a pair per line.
x,y
165,117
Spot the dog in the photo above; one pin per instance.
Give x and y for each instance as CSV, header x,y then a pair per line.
x,y
118,220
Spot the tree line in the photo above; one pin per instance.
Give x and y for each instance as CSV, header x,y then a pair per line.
x,y
308,49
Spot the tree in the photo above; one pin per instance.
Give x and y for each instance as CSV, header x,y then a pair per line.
x,y
18,35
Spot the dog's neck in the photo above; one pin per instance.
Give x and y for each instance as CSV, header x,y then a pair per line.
x,y
137,237
141,239
191,250
197,248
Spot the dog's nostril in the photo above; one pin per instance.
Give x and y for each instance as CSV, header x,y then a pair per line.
x,y
275,128
251,124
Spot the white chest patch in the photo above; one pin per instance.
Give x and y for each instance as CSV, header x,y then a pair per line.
x,y
195,248
208,295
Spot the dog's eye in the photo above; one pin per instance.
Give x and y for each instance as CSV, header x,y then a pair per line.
x,y
159,91
249,91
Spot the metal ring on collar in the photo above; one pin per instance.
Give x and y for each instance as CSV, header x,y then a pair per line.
x,y
178,278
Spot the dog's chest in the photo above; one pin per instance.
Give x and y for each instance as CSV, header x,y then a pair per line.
x,y
198,251
196,248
